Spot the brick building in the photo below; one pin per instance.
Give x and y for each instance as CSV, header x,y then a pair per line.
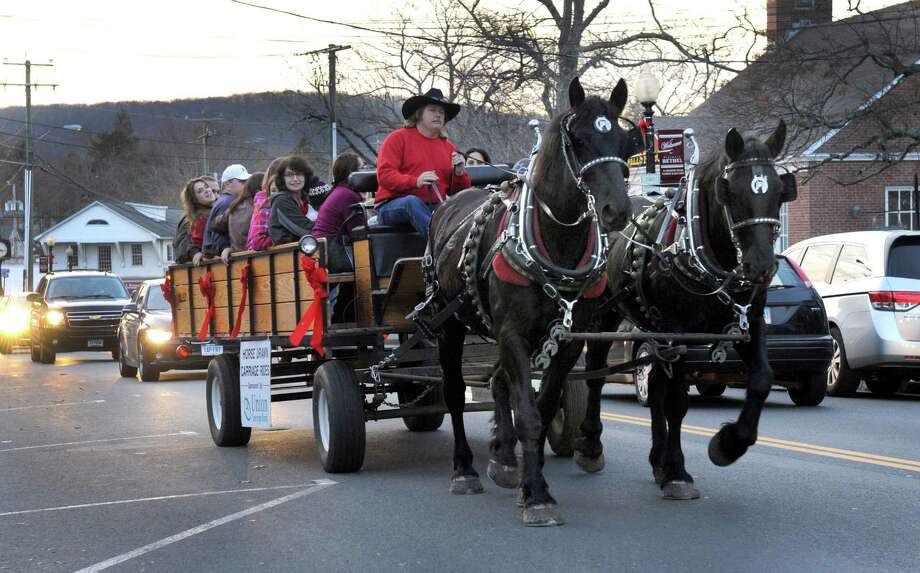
x,y
849,90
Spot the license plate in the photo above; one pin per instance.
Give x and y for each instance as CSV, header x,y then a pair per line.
x,y
94,343
212,350
767,316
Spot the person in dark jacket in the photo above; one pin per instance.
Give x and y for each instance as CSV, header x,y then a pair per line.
x,y
217,235
196,198
288,221
340,213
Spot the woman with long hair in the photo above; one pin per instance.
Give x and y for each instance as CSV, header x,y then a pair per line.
x,y
338,214
239,214
196,198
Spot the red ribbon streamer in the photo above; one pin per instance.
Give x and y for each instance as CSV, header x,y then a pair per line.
x,y
244,286
318,280
207,290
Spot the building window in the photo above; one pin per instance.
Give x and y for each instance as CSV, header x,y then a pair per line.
x,y
804,4
73,261
97,222
782,241
169,253
137,255
899,208
105,257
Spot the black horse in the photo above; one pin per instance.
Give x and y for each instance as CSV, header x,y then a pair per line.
x,y
549,236
701,264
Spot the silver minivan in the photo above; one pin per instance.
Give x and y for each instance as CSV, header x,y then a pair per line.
x,y
870,284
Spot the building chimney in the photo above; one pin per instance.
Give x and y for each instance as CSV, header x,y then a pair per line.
x,y
786,17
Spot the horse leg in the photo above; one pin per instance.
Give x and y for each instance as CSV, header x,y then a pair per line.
x,y
551,388
539,506
657,389
676,482
589,452
464,480
733,439
503,466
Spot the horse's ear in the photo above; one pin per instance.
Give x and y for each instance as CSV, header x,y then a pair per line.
x,y
790,189
618,96
734,144
576,93
776,141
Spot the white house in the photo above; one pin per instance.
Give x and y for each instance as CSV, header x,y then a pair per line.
x,y
132,240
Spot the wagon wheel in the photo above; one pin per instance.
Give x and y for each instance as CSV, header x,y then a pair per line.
x,y
566,425
223,392
426,422
338,417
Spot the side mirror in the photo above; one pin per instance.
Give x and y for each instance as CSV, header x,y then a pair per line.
x,y
130,308
34,297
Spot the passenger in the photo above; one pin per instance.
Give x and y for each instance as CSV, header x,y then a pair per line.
x,y
217,234
290,211
212,183
317,193
417,166
477,156
259,238
239,215
340,213
196,198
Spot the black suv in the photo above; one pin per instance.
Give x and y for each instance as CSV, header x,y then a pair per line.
x,y
76,311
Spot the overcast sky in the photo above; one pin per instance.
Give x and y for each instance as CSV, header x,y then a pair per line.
x,y
112,50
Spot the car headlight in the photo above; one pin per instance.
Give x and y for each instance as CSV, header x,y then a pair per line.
x,y
14,321
157,335
54,317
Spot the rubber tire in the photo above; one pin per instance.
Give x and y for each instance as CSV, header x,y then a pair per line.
x,y
428,422
336,388
125,370
884,384
847,380
116,354
710,390
224,372
6,346
566,425
147,373
642,391
35,352
812,390
47,355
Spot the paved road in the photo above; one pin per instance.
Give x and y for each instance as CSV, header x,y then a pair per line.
x,y
103,473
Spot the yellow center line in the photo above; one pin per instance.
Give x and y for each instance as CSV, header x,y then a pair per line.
x,y
849,455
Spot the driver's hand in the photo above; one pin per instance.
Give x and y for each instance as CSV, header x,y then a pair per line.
x,y
427,178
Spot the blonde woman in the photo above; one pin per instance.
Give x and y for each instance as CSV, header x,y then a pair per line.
x,y
196,198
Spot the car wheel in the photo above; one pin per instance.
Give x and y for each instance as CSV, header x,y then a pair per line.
x,y
884,384
710,390
338,417
223,400
47,355
116,353
6,346
642,375
35,352
841,381
811,390
147,372
124,369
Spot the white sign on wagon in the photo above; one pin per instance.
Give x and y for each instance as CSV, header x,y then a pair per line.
x,y
256,383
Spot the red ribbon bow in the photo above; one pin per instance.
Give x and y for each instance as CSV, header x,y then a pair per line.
x,y
244,286
207,290
166,287
318,279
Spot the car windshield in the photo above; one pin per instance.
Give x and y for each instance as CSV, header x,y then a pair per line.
x,y
155,299
903,259
785,276
86,287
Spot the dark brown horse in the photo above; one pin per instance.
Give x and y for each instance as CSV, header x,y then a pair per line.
x,y
711,277
575,193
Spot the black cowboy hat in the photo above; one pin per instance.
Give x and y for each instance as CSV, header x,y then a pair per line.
x,y
435,96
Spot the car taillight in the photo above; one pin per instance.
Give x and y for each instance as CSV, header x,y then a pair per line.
x,y
182,351
897,301
798,271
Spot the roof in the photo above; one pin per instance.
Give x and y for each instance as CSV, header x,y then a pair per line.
x,y
817,79
161,229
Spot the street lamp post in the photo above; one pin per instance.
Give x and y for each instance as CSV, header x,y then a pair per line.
x,y
69,253
50,242
647,90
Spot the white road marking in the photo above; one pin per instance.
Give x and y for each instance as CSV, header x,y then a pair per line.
x,y
81,403
102,565
158,498
182,433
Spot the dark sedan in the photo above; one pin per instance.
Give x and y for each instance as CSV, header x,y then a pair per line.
x,y
799,345
145,337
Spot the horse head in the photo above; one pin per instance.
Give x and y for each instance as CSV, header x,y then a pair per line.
x,y
750,192
592,165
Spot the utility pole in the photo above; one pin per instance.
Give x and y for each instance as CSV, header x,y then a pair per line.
x,y
205,134
331,50
27,216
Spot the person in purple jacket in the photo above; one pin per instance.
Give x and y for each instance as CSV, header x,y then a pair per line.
x,y
339,213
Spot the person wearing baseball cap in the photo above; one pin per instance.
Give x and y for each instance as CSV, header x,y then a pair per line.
x,y
417,166
217,231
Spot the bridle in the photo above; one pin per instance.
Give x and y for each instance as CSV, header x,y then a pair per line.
x,y
753,221
578,171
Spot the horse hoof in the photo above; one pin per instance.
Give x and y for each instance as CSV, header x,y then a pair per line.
x,y
465,485
542,515
680,490
658,473
590,465
508,477
717,453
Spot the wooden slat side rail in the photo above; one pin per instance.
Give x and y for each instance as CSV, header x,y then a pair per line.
x,y
364,311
